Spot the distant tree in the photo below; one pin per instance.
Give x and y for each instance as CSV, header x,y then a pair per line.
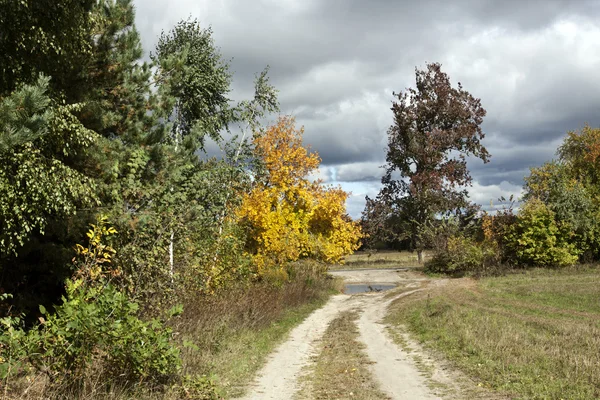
x,y
436,126
537,239
570,188
382,226
580,151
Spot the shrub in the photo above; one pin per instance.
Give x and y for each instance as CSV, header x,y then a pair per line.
x,y
463,254
536,239
98,326
198,388
95,331
13,344
495,227
456,249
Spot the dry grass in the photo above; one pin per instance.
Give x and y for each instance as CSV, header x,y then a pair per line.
x,y
340,370
233,333
535,334
380,259
38,388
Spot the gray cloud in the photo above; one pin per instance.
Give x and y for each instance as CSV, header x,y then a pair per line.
x,y
534,64
360,172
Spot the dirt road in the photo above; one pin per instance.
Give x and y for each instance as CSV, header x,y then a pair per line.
x,y
393,368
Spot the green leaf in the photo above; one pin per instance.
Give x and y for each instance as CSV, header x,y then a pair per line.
x,y
4,370
175,311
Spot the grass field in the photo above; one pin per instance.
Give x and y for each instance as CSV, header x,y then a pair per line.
x,y
379,259
535,335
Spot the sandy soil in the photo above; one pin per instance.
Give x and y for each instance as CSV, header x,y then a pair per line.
x,y
279,378
391,366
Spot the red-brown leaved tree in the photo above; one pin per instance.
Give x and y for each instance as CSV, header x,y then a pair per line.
x,y
435,128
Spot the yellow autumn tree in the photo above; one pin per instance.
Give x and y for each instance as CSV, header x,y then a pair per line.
x,y
288,216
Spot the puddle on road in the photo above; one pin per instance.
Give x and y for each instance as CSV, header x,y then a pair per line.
x,y
355,288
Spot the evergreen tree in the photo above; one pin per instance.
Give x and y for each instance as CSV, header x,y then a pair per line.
x,y
42,187
99,140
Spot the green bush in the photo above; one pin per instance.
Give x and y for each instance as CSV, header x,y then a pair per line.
x,y
95,329
101,322
14,347
464,255
536,239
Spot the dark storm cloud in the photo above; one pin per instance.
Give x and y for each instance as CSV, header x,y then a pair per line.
x,y
534,64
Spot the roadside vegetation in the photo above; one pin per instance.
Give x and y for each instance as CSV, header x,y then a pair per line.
x,y
223,340
132,264
227,338
532,334
555,225
529,325
424,204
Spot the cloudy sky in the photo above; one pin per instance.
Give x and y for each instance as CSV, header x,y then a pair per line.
x,y
534,64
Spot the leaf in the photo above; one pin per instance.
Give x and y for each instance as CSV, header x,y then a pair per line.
x,y
175,311
289,216
188,344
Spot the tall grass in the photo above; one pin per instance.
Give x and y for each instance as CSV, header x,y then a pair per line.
x,y
234,332
380,259
340,371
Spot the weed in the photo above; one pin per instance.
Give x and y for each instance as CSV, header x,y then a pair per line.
x,y
229,336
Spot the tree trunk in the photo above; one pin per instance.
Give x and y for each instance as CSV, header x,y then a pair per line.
x,y
420,256
171,257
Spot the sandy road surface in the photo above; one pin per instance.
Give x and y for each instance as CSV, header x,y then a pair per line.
x,y
392,367
279,378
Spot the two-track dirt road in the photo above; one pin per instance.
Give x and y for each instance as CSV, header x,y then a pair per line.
x,y
392,368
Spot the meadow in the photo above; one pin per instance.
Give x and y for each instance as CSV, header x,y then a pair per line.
x,y
380,259
533,334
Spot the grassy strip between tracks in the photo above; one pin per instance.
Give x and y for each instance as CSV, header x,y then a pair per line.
x,y
341,369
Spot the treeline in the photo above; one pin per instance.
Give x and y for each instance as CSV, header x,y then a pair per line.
x,y
110,211
424,203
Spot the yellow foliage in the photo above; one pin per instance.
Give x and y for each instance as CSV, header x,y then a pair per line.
x,y
487,225
93,260
288,216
